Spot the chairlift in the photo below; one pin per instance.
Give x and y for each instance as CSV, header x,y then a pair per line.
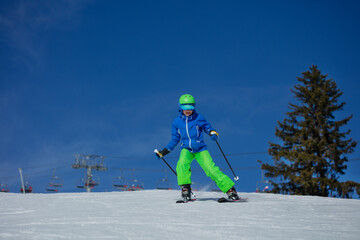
x,y
120,183
55,181
164,183
136,185
80,183
4,188
262,187
92,182
28,188
52,189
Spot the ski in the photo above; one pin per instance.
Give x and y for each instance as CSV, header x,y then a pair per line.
x,y
224,200
182,201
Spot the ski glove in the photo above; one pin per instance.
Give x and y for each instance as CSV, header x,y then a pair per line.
x,y
214,135
163,152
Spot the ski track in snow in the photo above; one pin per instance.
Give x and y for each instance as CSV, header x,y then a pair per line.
x,y
153,214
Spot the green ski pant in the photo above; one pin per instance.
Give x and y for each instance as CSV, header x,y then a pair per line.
x,y
183,169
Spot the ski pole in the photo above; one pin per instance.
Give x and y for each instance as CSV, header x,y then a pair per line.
x,y
157,152
236,177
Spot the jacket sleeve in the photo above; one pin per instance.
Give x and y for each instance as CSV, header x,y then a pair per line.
x,y
205,125
175,137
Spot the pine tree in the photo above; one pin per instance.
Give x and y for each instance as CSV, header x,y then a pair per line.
x,y
313,153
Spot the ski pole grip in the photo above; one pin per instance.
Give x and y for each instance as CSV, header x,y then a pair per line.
x,y
157,153
160,157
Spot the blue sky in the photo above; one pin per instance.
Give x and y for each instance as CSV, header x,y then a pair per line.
x,y
89,77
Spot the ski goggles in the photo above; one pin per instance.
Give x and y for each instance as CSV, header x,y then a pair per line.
x,y
187,106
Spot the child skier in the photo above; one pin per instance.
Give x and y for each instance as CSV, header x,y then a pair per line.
x,y
188,128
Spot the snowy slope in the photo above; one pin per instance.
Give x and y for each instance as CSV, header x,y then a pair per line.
x,y
153,214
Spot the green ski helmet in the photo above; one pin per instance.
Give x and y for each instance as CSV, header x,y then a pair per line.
x,y
187,102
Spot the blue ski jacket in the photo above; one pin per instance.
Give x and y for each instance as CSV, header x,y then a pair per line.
x,y
189,130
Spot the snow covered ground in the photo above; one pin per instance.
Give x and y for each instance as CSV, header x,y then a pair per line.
x,y
153,214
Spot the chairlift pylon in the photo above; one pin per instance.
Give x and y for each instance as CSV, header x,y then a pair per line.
x,y
90,163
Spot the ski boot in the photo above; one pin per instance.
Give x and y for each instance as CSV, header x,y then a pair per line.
x,y
186,192
232,194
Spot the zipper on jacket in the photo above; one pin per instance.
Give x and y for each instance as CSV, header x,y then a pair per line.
x,y
187,131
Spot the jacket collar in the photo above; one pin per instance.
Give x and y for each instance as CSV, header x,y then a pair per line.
x,y
191,117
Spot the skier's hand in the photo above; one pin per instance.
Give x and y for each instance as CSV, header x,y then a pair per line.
x,y
214,135
162,152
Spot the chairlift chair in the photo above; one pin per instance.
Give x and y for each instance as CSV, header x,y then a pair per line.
x,y
52,189
163,184
4,188
55,181
136,185
262,187
94,181
120,183
92,184
80,183
27,187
